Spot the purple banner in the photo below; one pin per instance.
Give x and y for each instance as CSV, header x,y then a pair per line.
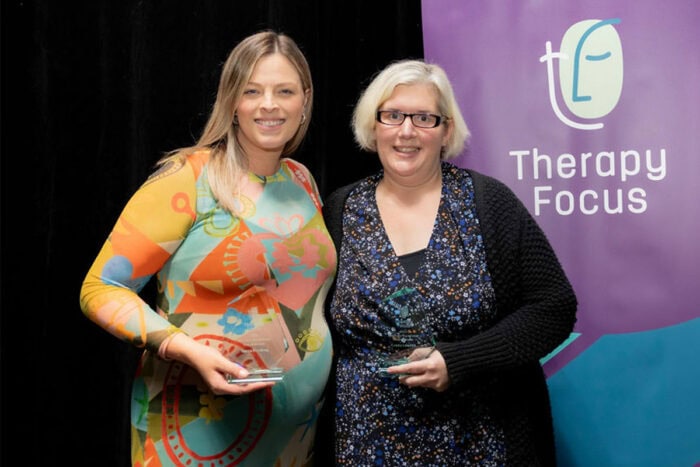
x,y
590,112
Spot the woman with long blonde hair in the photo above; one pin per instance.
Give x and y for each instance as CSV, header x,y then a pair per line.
x,y
236,349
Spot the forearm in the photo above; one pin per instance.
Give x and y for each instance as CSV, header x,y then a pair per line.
x,y
122,313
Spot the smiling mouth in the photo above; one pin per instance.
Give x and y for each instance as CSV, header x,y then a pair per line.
x,y
269,123
406,150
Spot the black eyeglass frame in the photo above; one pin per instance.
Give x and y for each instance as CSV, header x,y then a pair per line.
x,y
438,118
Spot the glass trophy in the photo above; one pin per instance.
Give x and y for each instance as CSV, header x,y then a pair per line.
x,y
261,352
406,314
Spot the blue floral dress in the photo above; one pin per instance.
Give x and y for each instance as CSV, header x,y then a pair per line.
x,y
379,421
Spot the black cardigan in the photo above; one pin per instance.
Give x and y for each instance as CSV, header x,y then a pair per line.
x,y
537,310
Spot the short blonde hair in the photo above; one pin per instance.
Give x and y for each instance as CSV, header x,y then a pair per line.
x,y
408,72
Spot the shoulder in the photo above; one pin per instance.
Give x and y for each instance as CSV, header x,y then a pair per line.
x,y
486,187
198,159
178,168
488,184
497,206
339,195
493,193
333,210
333,203
298,169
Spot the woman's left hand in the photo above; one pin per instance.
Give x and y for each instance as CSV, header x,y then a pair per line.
x,y
426,369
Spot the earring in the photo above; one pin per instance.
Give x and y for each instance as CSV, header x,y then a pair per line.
x,y
235,119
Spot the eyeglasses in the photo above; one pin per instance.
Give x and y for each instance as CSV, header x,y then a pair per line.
x,y
420,120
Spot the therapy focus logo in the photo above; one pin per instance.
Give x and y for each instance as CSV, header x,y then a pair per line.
x,y
590,72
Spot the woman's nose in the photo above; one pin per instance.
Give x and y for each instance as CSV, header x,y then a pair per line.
x,y
269,101
407,129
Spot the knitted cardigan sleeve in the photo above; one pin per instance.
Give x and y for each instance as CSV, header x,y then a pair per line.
x,y
535,301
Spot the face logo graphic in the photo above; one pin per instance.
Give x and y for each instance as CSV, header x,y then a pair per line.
x,y
590,72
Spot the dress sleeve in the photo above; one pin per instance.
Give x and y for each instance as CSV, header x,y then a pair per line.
x,y
149,229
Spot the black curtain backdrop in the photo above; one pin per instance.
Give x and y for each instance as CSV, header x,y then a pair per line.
x,y
93,93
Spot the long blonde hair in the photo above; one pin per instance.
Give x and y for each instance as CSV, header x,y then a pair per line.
x,y
228,160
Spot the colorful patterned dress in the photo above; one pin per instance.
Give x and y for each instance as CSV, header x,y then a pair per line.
x,y
229,282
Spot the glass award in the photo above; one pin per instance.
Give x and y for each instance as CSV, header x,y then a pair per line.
x,y
406,314
261,352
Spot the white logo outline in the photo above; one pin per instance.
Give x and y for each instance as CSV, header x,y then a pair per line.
x,y
549,57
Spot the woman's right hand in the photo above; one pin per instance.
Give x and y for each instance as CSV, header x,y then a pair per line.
x,y
426,368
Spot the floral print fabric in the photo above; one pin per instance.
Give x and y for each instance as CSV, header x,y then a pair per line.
x,y
379,421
